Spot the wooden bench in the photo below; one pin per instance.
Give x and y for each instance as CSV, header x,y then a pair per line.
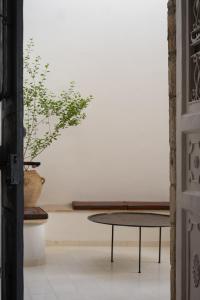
x,y
35,213
120,205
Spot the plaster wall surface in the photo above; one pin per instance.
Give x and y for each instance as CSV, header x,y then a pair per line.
x,y
115,50
75,229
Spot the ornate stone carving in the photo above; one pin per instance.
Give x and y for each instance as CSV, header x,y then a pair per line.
x,y
196,270
192,267
189,225
195,33
195,95
194,68
194,161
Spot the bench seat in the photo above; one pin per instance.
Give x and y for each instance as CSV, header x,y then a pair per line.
x,y
120,205
35,213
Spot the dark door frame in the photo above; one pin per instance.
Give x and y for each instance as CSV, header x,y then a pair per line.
x,y
11,152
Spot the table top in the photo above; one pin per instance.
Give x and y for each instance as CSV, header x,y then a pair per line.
x,y
132,219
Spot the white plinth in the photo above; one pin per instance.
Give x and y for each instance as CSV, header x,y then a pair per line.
x,y
34,242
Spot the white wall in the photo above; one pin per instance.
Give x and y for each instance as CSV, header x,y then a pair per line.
x,y
75,229
117,51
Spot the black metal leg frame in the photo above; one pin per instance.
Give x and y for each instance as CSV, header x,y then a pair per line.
x,y
112,243
140,245
160,237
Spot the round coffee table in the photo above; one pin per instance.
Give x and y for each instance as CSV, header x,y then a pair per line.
x,y
133,220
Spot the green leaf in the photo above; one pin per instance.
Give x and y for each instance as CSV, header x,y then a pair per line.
x,y
45,113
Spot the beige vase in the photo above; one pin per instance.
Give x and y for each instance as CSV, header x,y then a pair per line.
x,y
33,183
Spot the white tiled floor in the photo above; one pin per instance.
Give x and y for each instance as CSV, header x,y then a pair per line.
x,y
85,273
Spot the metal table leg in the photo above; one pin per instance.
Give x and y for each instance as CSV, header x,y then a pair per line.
x,y
160,237
140,236
112,243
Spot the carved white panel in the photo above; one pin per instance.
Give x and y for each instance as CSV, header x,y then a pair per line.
x,y
188,150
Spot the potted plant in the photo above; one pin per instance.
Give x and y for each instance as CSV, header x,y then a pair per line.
x,y
45,116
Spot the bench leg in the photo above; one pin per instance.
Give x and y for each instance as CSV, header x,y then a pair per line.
x,y
112,243
140,238
160,237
